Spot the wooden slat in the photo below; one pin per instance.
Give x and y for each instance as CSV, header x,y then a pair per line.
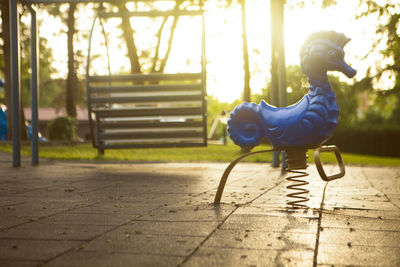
x,y
155,13
146,88
144,112
152,145
150,135
146,99
145,77
83,1
149,124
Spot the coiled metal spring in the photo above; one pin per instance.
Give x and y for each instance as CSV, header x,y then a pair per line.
x,y
297,162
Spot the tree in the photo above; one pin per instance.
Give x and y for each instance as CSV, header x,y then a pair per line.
x,y
157,64
130,41
72,79
73,89
388,13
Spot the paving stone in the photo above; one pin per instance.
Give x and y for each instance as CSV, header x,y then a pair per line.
x,y
377,214
95,258
205,212
20,263
116,208
25,249
89,219
267,223
362,223
395,199
338,254
169,228
11,221
250,257
240,238
37,207
359,237
266,210
41,230
118,241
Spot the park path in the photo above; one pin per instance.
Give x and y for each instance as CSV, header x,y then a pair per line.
x,y
161,214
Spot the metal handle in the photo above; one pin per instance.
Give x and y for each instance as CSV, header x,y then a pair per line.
x,y
320,168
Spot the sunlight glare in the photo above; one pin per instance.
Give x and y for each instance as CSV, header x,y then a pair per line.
x,y
223,42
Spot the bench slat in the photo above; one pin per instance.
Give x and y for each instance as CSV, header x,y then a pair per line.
x,y
146,88
153,145
144,112
152,77
149,135
146,99
149,124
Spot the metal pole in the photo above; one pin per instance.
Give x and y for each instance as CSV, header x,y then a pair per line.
x,y
15,85
246,87
274,93
281,63
34,87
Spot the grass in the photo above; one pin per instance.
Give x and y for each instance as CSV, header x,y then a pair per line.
x,y
212,153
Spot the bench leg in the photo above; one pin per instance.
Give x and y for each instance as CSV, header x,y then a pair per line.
x,y
100,151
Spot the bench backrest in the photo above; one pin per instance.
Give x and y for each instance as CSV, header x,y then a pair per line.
x,y
147,110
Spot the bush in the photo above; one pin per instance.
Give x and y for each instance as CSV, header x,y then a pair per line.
x,y
62,129
379,141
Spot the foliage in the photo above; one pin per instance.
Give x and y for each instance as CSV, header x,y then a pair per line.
x,y
51,93
215,109
388,65
62,128
364,139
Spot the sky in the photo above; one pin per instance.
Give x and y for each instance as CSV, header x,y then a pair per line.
x,y
224,44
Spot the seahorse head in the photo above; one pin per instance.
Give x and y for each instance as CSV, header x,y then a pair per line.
x,y
322,52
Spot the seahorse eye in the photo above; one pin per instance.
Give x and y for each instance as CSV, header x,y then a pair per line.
x,y
332,53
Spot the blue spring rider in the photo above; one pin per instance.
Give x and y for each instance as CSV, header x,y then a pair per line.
x,y
306,124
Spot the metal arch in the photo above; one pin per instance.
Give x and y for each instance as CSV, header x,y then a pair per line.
x,y
204,71
89,104
228,170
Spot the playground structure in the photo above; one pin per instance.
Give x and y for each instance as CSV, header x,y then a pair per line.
x,y
149,109
15,79
278,84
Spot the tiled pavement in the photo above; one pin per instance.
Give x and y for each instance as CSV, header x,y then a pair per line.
x,y
161,214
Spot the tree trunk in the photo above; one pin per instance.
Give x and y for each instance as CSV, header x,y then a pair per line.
x,y
159,35
72,79
130,42
171,37
246,87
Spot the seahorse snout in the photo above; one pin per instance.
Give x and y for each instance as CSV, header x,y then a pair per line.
x,y
347,70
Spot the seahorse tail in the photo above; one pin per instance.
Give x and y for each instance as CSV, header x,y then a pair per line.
x,y
244,125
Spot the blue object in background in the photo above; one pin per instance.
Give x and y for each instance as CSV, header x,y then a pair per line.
x,y
3,123
309,122
4,127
